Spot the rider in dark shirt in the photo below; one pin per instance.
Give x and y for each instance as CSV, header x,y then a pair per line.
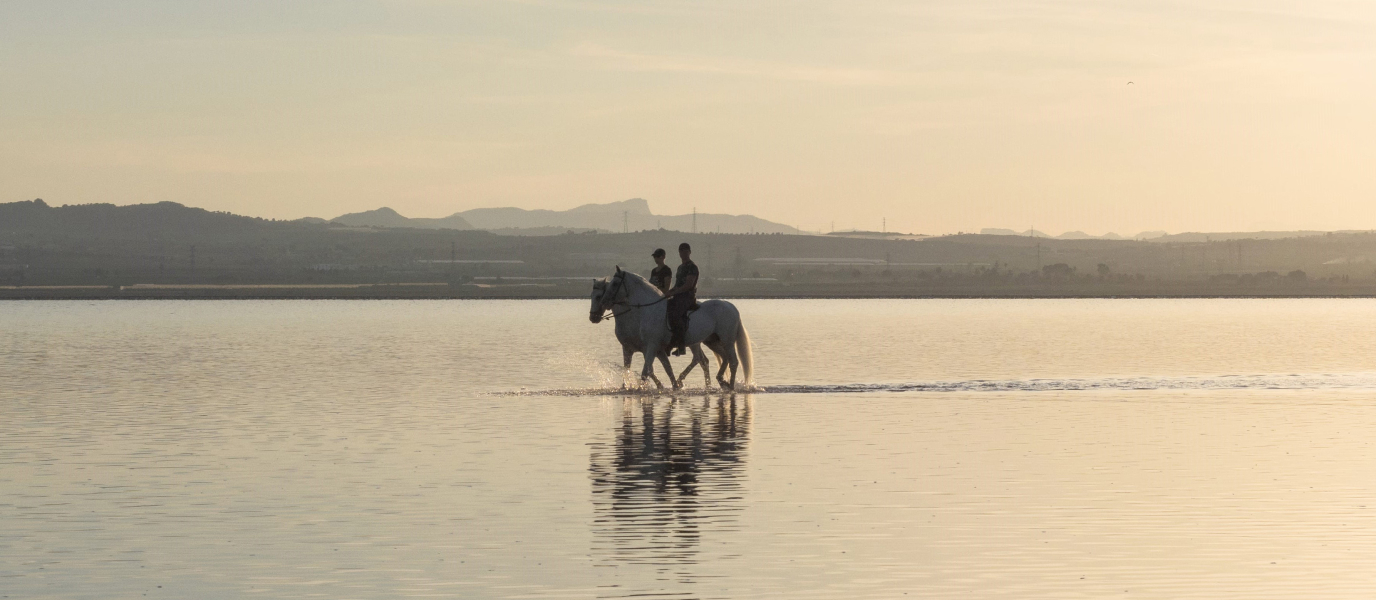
x,y
682,298
662,275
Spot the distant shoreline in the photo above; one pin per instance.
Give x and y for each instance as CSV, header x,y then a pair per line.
x,y
567,292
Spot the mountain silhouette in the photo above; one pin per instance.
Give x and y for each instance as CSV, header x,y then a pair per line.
x,y
138,221
633,214
386,217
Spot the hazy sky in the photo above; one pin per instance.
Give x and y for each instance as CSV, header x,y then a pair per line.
x,y
941,116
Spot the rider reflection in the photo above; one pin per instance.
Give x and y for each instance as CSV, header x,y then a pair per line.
x,y
672,474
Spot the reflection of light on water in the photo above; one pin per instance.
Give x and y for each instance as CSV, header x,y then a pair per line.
x,y
668,477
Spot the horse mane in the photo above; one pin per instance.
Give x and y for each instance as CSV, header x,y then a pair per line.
x,y
636,279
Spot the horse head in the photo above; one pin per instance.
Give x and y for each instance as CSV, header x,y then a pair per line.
x,y
599,289
606,293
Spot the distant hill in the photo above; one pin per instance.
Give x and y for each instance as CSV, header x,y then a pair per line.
x,y
1178,238
108,246
142,221
1071,235
1223,236
542,231
1028,233
386,217
633,214
594,216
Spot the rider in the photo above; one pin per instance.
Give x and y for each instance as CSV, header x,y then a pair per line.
x,y
682,298
662,275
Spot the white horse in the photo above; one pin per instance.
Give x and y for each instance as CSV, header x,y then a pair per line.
x,y
627,320
716,324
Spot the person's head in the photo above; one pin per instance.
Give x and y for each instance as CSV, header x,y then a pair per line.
x,y
659,255
684,251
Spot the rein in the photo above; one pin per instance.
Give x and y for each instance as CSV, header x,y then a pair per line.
x,y
611,310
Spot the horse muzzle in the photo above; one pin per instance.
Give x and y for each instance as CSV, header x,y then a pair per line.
x,y
595,317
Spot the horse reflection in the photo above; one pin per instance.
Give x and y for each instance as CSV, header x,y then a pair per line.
x,y
671,475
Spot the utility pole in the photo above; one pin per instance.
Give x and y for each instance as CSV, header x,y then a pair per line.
x,y
625,221
695,219
886,225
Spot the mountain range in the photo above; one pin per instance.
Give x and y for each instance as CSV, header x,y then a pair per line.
x,y
159,221
170,220
386,217
1161,236
629,215
1071,235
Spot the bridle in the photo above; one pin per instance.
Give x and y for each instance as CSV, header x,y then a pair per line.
x,y
608,308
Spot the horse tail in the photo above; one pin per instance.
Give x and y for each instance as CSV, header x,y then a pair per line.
x,y
743,353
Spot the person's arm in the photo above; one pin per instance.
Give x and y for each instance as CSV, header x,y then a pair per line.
x,y
690,283
661,282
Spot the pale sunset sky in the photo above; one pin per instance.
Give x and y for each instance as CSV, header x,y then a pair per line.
x,y
940,116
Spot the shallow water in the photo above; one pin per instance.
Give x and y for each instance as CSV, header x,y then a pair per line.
x,y
929,448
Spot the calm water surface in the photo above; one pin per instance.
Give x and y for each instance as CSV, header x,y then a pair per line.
x,y
928,448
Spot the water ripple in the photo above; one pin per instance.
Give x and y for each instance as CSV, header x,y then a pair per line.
x,y
1342,381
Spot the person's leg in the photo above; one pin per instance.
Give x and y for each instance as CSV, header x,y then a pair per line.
x,y
689,304
678,326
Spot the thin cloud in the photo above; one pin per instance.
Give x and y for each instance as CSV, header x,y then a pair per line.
x,y
606,58
636,7
208,156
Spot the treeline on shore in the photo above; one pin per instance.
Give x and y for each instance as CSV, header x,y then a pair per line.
x,y
168,250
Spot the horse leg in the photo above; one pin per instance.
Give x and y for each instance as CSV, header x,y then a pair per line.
x,y
730,359
715,347
701,358
648,373
669,370
697,359
721,363
626,354
682,377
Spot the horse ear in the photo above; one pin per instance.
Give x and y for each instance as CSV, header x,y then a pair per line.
x,y
618,268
